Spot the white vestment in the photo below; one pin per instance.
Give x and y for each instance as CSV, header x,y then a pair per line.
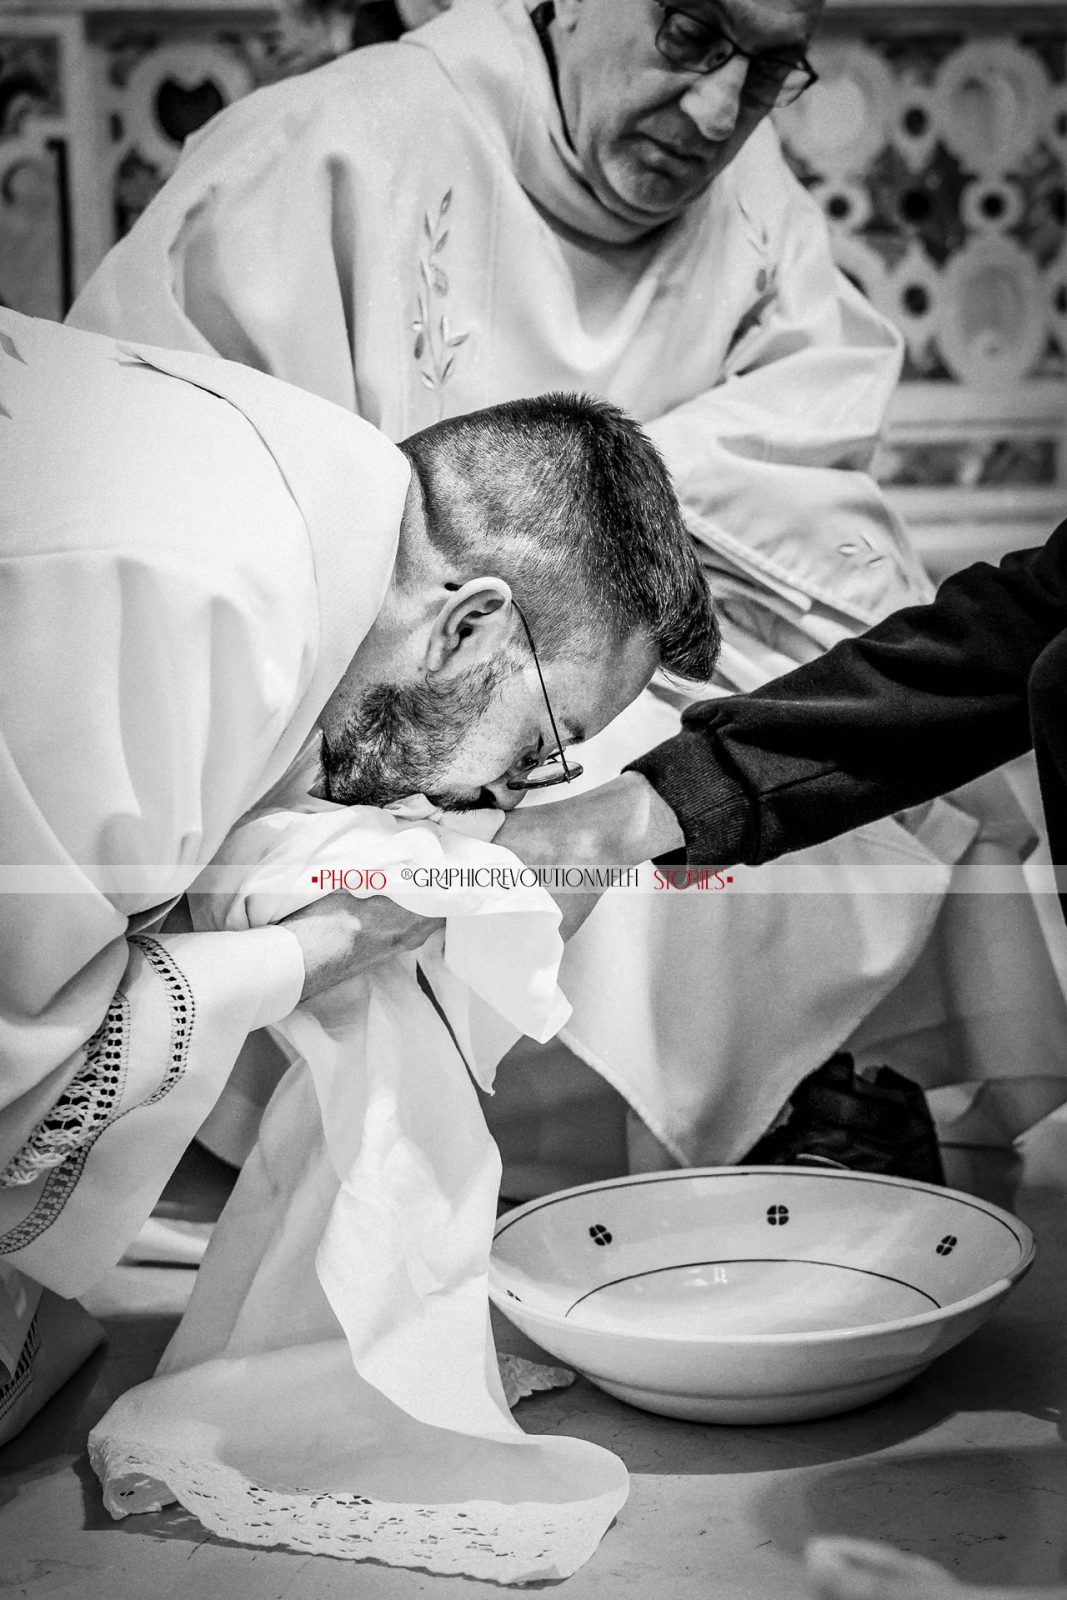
x,y
190,555
347,1276
407,232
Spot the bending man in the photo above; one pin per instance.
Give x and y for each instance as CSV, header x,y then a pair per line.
x,y
204,570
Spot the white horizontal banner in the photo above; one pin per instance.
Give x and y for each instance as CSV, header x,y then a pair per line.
x,y
156,884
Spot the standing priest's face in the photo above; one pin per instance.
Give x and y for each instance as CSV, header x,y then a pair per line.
x,y
658,99
457,732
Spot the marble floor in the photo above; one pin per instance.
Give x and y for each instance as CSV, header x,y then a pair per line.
x,y
967,1465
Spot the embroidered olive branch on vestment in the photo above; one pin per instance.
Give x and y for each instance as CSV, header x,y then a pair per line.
x,y
435,342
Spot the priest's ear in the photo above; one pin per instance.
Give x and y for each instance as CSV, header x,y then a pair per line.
x,y
474,625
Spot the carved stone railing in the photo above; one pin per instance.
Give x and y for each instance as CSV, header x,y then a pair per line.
x,y
96,99
936,144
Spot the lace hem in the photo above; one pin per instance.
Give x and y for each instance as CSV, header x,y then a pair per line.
x,y
84,1109
523,1543
91,1100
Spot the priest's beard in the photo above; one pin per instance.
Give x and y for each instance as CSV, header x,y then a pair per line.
x,y
399,738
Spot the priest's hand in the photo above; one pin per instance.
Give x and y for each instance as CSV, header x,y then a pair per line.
x,y
342,937
622,823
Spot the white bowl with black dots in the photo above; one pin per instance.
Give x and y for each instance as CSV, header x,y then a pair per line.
x,y
754,1294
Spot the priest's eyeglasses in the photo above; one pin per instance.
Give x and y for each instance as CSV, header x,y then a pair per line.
x,y
693,44
556,769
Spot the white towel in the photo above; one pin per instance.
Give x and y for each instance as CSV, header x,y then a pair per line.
x,y
333,1385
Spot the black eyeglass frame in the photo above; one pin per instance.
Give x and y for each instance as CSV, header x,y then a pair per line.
x,y
568,772
798,63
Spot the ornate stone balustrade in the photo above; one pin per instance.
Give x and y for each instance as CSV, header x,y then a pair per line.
x,y
936,144
96,100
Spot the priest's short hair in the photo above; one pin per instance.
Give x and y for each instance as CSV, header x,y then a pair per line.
x,y
567,499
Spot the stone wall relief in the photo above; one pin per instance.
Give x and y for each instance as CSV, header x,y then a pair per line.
x,y
940,161
35,221
936,144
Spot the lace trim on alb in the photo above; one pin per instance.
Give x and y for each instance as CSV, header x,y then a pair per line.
x,y
182,1011
85,1107
63,1178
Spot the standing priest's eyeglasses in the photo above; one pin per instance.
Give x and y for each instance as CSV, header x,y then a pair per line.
x,y
695,44
556,768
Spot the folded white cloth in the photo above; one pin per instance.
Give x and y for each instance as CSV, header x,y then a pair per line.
x,y
334,1385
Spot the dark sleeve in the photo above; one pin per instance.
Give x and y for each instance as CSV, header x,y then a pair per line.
x,y
927,700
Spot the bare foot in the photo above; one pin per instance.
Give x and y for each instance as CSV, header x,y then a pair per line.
x,y
858,1569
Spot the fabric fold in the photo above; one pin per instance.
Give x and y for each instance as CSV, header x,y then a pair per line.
x,y
347,1277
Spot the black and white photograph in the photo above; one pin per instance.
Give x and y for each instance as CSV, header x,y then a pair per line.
x,y
533,799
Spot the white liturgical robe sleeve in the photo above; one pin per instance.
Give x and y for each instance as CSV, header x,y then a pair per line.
x,y
779,447
164,651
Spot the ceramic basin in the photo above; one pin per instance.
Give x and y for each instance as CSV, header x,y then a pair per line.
x,y
754,1294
